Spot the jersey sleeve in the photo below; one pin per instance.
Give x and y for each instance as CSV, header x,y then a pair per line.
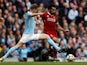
x,y
28,13
43,16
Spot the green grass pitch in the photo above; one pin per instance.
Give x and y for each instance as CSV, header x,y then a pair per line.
x,y
43,63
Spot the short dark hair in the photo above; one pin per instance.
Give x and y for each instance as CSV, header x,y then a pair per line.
x,y
34,6
50,6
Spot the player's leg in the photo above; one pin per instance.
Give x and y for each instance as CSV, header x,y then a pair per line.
x,y
45,36
53,36
23,40
49,40
55,39
19,44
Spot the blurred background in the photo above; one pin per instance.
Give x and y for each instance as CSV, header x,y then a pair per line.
x,y
71,14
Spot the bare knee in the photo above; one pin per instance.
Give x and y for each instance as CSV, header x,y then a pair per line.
x,y
55,40
43,36
19,44
46,35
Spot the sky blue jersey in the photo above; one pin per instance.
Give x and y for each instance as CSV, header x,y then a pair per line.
x,y
29,23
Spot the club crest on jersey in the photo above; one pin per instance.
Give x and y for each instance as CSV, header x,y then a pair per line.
x,y
47,15
51,19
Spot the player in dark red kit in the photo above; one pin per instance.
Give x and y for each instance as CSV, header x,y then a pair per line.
x,y
51,23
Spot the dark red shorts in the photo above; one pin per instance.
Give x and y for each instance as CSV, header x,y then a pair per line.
x,y
52,34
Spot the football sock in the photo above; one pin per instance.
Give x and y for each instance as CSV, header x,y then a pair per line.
x,y
10,51
51,42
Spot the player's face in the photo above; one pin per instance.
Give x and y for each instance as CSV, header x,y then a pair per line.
x,y
53,10
34,10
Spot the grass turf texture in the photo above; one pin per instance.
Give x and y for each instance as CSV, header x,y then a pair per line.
x,y
43,63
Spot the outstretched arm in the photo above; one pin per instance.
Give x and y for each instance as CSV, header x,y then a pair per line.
x,y
35,14
60,28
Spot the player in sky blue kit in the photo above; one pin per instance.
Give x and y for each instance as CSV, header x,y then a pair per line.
x,y
29,32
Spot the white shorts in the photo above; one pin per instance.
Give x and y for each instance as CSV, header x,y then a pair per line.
x,y
27,37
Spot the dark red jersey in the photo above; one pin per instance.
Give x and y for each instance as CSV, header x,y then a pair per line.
x,y
50,22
